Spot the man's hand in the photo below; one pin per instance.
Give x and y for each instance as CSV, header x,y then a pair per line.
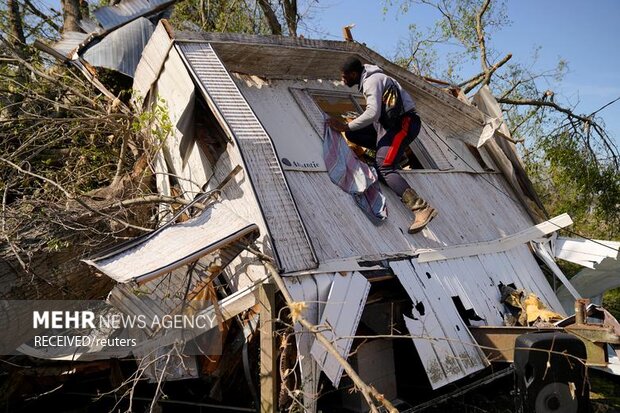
x,y
337,125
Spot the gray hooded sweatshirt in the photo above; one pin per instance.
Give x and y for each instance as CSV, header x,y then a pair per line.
x,y
372,83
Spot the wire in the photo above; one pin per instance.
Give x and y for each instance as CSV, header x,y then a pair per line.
x,y
508,195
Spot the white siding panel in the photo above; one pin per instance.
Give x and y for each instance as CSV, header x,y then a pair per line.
x,y
154,55
585,252
446,348
470,210
341,316
176,89
313,291
290,241
298,144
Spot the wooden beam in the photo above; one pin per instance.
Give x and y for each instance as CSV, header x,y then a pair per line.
x,y
268,354
498,245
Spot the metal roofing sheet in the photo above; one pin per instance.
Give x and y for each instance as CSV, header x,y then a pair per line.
x,y
340,318
176,245
69,42
121,50
111,17
290,240
446,347
587,253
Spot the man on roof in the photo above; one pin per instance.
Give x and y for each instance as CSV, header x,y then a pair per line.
x,y
388,125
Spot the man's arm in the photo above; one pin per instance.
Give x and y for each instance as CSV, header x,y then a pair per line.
x,y
372,93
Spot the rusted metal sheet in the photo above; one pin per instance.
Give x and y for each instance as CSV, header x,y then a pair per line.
x,y
498,343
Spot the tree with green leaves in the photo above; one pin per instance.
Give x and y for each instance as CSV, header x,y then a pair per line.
x,y
280,17
570,157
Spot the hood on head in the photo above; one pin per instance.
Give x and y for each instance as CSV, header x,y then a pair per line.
x,y
369,70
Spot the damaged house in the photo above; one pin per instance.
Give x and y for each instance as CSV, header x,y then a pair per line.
x,y
412,313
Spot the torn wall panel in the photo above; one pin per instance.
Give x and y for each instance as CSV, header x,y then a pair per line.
x,y
290,241
446,348
585,252
340,319
313,291
141,260
148,69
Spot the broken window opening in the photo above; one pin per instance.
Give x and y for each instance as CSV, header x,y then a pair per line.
x,y
316,103
210,137
338,104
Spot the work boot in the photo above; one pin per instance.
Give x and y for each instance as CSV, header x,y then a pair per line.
x,y
412,200
422,218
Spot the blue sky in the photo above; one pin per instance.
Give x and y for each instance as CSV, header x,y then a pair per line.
x,y
585,34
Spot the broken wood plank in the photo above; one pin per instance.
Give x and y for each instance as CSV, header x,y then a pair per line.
x,y
498,245
268,354
340,318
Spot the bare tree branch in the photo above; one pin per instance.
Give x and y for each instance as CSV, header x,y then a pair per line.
x,y
47,19
484,77
15,21
481,41
291,16
270,15
533,102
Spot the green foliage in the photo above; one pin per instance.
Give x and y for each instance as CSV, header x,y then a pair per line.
x,y
155,123
570,179
220,16
611,302
569,157
456,25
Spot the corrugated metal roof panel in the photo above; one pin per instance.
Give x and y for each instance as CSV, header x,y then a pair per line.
x,y
471,209
216,228
121,50
69,42
340,319
111,17
585,252
89,26
444,343
291,243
